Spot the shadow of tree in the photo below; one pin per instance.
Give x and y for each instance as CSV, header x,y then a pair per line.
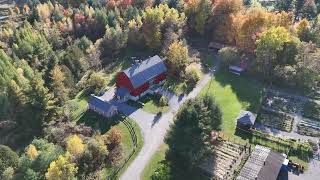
x,y
98,122
249,91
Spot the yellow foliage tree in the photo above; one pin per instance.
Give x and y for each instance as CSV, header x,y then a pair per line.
x,y
75,145
44,11
32,152
61,169
177,55
302,27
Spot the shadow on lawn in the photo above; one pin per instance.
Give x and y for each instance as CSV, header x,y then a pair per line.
x,y
145,99
99,122
248,90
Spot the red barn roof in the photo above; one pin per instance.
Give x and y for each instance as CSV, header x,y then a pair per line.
x,y
148,69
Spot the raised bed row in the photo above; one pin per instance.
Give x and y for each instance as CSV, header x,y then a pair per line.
x,y
309,128
276,120
224,160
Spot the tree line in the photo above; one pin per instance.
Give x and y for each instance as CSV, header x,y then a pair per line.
x,y
63,48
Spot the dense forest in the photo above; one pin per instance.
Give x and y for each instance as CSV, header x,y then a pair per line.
x,y
62,48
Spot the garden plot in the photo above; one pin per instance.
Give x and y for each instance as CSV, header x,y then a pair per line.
x,y
309,128
277,120
282,103
226,158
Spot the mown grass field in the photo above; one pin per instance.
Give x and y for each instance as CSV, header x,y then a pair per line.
x,y
233,93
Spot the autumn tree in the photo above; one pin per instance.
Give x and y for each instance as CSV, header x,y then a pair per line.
x,y
59,89
198,13
114,40
135,34
303,30
178,56
246,27
93,83
153,18
74,145
161,19
222,19
95,156
32,152
36,159
62,169
44,11
114,137
269,44
32,46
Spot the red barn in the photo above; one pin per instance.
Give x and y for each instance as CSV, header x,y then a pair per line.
x,y
137,80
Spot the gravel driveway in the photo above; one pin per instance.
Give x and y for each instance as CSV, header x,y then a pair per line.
x,y
154,133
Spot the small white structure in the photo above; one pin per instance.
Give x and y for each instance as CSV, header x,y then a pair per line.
x,y
236,70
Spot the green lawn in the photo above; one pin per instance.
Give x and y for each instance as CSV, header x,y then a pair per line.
x,y
76,107
149,103
128,147
178,86
233,93
154,162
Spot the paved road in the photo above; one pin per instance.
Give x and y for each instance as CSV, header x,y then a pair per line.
x,y
154,128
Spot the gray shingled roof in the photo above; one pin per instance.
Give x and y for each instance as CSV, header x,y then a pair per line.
x,y
246,118
122,91
99,104
145,71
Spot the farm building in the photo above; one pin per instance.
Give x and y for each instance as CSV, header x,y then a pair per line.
x,y
138,80
102,107
263,164
246,119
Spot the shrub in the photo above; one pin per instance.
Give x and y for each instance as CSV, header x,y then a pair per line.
x,y
8,158
163,172
311,110
163,101
229,55
8,174
192,75
75,145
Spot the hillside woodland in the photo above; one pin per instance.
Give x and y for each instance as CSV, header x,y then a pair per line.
x,y
61,49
